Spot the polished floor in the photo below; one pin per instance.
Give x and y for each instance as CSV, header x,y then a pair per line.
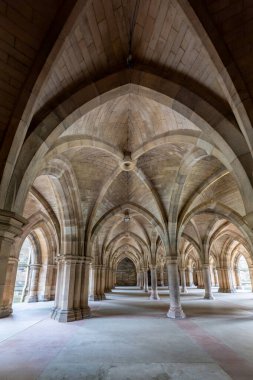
x,y
129,337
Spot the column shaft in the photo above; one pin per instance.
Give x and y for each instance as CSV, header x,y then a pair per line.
x,y
154,292
175,310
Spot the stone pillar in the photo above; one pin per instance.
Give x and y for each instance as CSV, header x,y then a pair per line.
x,y
200,279
94,290
207,282
114,279
10,226
161,275
11,276
98,283
141,279
64,304
238,284
183,281
138,279
175,310
154,293
46,282
107,280
215,275
189,277
84,296
145,278
225,280
33,289
251,276
212,276
102,282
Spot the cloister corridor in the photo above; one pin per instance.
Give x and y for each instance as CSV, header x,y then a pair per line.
x,y
129,337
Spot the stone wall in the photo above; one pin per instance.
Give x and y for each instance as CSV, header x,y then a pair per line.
x,y
126,273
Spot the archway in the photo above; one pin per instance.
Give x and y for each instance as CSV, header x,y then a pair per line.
x,y
244,275
23,270
126,273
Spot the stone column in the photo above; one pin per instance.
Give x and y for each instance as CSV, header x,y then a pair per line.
x,y
207,282
46,283
85,273
212,276
183,281
200,279
141,280
11,276
64,304
111,279
95,284
10,226
102,282
34,283
114,279
215,275
225,280
175,310
251,276
145,274
77,289
189,277
238,284
154,292
138,279
161,275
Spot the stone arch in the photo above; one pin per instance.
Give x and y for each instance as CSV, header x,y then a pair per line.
x,y
166,92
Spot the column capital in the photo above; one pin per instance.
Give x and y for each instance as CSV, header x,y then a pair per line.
x,y
172,260
11,224
35,266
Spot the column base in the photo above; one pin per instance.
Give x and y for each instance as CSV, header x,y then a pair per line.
x,y
146,290
5,311
154,296
221,290
97,297
86,313
184,291
78,314
239,287
30,299
43,299
176,313
63,315
208,297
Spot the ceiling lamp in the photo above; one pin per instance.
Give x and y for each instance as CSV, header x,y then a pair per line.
x,y
126,217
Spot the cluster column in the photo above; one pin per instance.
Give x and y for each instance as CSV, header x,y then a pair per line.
x,y
145,280
98,283
154,292
183,281
33,284
71,300
175,310
237,278
207,282
161,275
10,226
225,280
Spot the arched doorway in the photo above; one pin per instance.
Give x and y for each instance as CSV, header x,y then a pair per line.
x,y
126,273
244,275
23,270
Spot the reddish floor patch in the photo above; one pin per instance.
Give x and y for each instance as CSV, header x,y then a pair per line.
x,y
235,366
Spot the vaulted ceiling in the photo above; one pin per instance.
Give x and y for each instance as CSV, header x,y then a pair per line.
x,y
153,157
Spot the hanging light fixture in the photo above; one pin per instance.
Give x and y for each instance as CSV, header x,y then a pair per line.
x,y
126,217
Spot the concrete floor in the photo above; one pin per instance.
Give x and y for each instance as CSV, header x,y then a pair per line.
x,y
129,337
